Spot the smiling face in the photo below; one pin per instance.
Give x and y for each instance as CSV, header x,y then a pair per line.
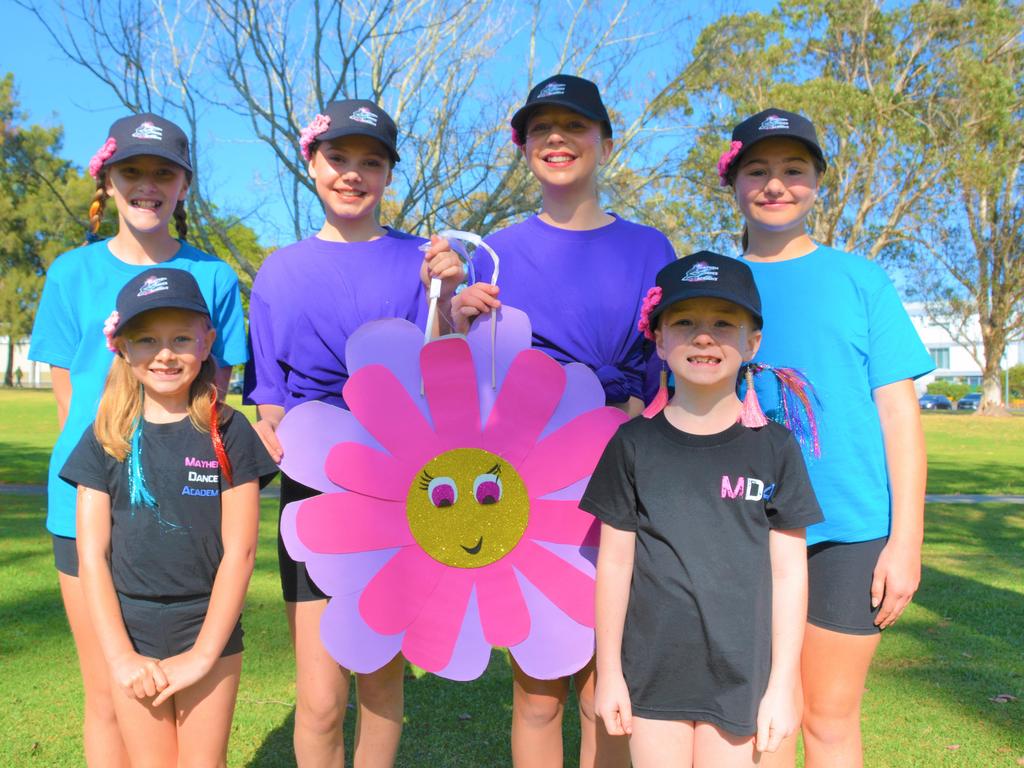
x,y
563,148
704,341
146,190
165,349
467,508
351,174
776,184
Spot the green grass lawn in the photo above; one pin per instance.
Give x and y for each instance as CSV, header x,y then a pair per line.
x,y
929,699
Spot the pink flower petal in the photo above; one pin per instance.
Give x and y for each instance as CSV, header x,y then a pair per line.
x,y
363,470
503,612
562,522
529,396
308,432
571,452
568,588
350,641
583,392
334,523
430,640
449,381
395,344
396,596
557,646
382,405
512,334
472,652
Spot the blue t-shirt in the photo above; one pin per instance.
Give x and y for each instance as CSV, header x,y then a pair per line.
x,y
837,317
582,290
309,297
79,294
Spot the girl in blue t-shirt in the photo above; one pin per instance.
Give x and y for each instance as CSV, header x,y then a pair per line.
x,y
168,506
145,168
838,318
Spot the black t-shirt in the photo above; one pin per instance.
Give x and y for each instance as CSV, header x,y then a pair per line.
x,y
173,550
696,643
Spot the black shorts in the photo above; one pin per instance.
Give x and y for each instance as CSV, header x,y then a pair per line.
x,y
65,555
839,585
164,628
296,586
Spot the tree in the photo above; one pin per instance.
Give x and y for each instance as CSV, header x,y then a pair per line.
x,y
438,66
42,213
969,248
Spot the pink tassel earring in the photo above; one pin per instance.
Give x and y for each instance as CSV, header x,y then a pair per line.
x,y
751,414
661,399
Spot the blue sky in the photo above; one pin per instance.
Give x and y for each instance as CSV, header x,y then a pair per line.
x,y
238,170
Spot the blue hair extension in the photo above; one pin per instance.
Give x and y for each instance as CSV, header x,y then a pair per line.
x,y
138,492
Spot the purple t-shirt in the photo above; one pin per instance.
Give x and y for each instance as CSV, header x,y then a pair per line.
x,y
309,297
582,291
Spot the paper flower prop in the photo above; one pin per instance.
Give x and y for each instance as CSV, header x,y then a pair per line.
x,y
448,521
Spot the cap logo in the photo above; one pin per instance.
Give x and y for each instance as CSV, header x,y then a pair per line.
x,y
701,272
364,115
551,89
148,130
774,123
153,285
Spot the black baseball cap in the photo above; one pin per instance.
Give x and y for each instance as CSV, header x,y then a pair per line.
x,y
772,123
708,275
568,91
360,117
159,288
148,134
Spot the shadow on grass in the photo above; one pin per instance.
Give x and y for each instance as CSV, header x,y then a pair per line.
x,y
23,464
973,652
969,476
276,750
968,529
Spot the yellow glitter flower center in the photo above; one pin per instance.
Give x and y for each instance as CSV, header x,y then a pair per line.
x,y
467,508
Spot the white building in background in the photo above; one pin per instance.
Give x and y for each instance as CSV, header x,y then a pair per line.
x,y
953,362
33,374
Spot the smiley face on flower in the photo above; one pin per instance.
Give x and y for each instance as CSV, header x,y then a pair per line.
x,y
448,521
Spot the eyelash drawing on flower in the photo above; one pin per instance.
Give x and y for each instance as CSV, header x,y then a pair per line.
x,y
487,487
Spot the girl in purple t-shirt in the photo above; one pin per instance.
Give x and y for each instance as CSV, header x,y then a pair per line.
x,y
307,299
580,273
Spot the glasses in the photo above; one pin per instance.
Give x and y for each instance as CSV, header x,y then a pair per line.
x,y
718,330
150,346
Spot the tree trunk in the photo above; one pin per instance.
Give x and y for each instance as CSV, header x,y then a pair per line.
x,y
9,372
992,390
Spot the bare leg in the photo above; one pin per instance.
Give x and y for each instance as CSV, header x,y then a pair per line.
x,y
321,691
204,711
832,696
537,707
661,743
150,733
102,737
715,748
597,748
381,706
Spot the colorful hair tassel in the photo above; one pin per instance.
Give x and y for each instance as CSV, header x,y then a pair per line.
x,y
661,398
795,404
218,443
751,414
138,492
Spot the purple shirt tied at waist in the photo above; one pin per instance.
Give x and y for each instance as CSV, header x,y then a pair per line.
x,y
582,291
309,297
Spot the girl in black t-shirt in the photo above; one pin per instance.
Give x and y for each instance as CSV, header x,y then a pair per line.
x,y
168,504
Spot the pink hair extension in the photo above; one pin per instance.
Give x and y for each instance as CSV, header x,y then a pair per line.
x,y
795,401
657,405
103,154
318,125
218,443
751,414
726,160
651,300
110,328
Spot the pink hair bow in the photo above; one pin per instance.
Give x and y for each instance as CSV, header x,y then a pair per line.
x,y
110,328
516,138
103,154
651,300
318,125
726,160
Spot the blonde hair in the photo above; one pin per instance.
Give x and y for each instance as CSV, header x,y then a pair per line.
x,y
120,408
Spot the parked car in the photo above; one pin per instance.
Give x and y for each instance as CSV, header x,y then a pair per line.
x,y
935,403
235,384
969,402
